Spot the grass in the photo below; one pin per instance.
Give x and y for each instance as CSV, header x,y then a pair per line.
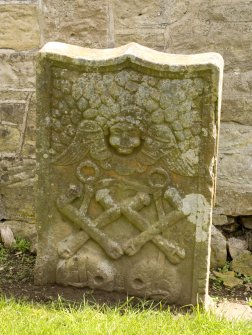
x,y
23,318
3,254
21,245
61,318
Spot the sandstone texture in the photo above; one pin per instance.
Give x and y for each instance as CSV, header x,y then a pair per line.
x,y
198,26
19,27
247,222
249,239
84,23
236,246
126,153
175,26
17,189
17,71
7,237
22,230
234,311
234,170
219,220
243,263
218,249
228,278
17,124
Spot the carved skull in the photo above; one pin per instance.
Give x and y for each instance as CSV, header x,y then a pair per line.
x,y
124,137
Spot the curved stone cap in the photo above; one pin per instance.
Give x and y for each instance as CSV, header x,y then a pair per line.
x,y
134,52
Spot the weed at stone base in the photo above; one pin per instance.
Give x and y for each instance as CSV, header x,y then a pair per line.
x,y
245,279
217,283
225,268
3,254
21,245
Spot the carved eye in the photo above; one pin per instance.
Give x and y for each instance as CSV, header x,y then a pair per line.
x,y
116,132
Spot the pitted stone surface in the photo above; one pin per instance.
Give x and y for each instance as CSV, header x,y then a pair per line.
x,y
171,106
126,150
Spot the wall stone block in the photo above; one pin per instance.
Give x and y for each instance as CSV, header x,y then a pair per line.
x,y
11,112
19,27
17,69
148,23
237,109
78,22
9,138
29,140
17,193
234,189
147,37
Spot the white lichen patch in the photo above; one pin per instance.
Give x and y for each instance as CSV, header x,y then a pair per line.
x,y
212,168
197,210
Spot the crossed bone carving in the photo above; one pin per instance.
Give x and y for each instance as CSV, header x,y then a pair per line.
x,y
112,211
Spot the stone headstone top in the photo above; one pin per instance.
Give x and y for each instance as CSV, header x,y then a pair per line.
x,y
126,149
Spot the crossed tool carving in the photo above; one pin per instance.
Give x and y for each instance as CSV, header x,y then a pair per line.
x,y
130,208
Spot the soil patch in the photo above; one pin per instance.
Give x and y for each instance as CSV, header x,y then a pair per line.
x,y
16,280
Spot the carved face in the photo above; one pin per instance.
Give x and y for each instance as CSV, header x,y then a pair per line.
x,y
124,137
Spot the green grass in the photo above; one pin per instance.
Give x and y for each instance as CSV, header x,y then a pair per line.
x,y
3,254
21,245
23,318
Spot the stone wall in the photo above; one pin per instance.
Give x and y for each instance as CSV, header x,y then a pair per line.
x,y
175,26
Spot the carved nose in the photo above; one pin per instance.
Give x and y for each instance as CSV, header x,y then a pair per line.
x,y
124,140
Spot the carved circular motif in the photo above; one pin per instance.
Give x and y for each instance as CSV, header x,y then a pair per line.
x,y
158,178
91,174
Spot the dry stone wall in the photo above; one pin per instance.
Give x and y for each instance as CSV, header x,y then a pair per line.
x,y
175,26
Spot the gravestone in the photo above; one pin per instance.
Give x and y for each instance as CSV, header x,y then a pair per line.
x,y
126,149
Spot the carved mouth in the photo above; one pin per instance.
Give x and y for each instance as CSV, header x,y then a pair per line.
x,y
124,150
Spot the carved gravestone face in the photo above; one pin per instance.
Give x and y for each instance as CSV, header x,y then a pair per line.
x,y
126,149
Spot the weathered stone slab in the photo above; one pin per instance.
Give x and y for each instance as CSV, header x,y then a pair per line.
x,y
126,149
